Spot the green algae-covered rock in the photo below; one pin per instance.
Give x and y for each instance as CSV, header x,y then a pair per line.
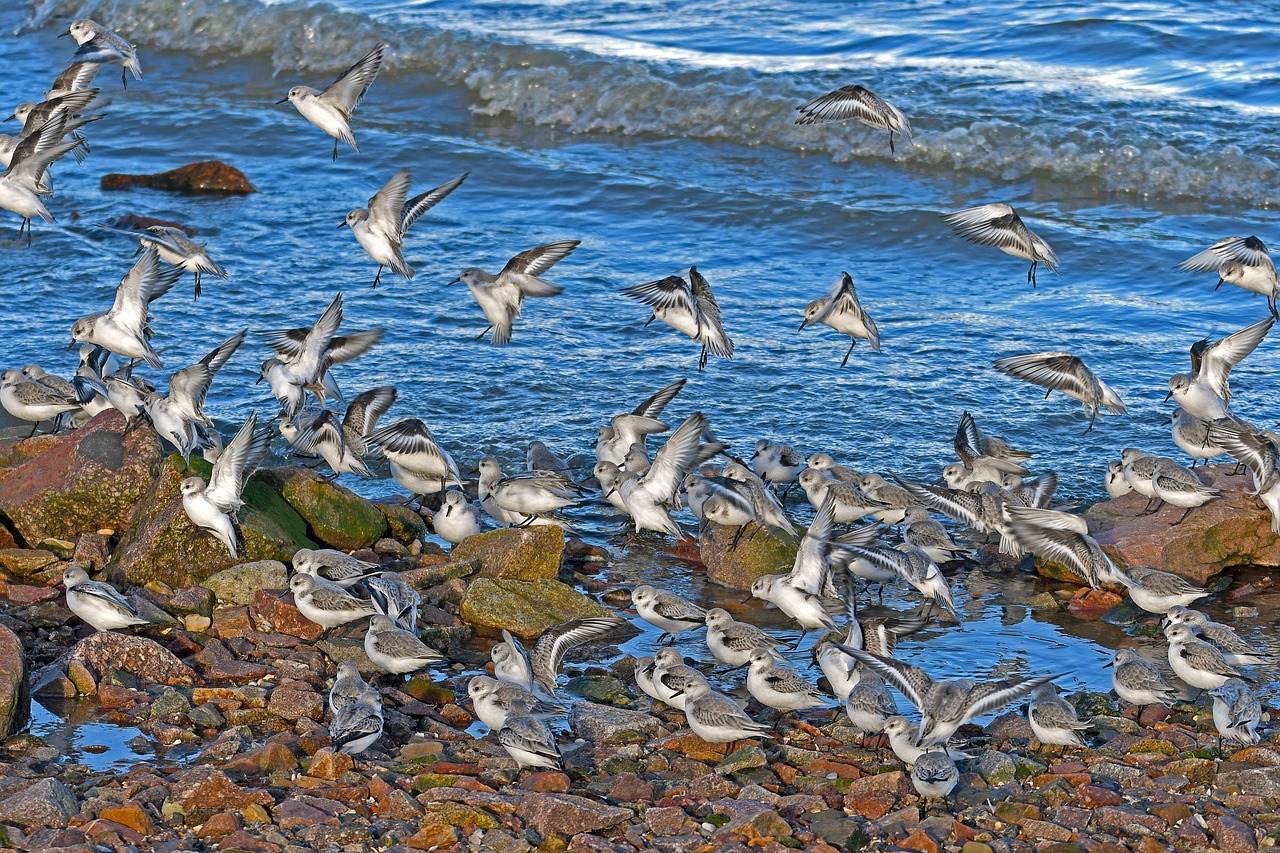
x,y
737,567
515,553
336,516
90,479
403,524
161,543
525,608
239,584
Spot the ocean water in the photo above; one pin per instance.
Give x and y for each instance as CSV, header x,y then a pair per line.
x,y
661,135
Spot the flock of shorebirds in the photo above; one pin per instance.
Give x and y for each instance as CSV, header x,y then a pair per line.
x,y
988,490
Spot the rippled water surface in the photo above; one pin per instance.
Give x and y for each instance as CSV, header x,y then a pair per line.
x,y
660,135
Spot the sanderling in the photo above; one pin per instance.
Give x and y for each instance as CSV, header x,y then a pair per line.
x,y
99,44
72,105
355,728
331,109
858,103
397,650
830,468
327,604
1242,261
536,669
723,506
896,499
529,740
1222,637
921,530
345,446
934,775
1115,482
614,441
456,519
175,247
418,462
300,365
1204,391
97,603
1137,470
778,686
332,566
849,503
1062,538
982,510
1139,682
842,672
522,499
999,225
124,330
648,498
500,296
1036,492
128,395
1053,719
668,611
75,77
494,700
539,457
33,401
903,734
716,718
764,505
777,463
23,185
672,678
380,228
689,308
189,386
1236,712
913,565
869,704
733,642
643,674
946,705
981,469
806,608
1258,450
842,311
1156,591
394,598
970,442
1062,371
1179,485
211,506
1195,661
1191,434
348,688
811,571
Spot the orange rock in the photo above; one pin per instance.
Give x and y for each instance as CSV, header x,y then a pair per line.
x,y
920,840
327,764
210,176
1091,605
220,824
432,837
131,815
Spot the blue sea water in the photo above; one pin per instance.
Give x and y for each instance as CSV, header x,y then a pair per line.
x,y
661,134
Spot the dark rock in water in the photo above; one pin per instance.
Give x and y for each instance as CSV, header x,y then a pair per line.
x,y
525,608
47,802
161,544
209,176
335,515
139,656
514,553
15,703
737,567
134,222
81,482
1232,530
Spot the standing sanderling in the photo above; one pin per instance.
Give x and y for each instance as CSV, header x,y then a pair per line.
x,y
97,603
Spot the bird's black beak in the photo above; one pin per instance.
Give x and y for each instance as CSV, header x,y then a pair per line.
x,y
1167,396
455,281
259,382
12,117
1109,663
803,323
283,100
342,224
72,344
67,33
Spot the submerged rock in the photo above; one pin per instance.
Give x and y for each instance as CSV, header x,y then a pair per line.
x,y
1233,530
525,608
209,176
737,567
81,482
514,553
161,543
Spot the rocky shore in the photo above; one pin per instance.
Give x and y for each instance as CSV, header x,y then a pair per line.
x,y
228,687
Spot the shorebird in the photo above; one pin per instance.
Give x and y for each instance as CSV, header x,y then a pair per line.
x,y
1242,261
529,741
733,642
501,296
1062,371
211,506
934,775
716,718
348,688
33,401
1236,712
1062,538
418,462
780,687
525,498
1222,637
380,228
1138,682
536,670
457,519
616,440
24,184
495,700
331,109
689,308
1204,391
344,445
175,247
125,329
1195,661
99,44
357,726
397,650
970,443
1000,226
860,104
842,311
648,498
333,566
97,603
1053,719
668,611
327,604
